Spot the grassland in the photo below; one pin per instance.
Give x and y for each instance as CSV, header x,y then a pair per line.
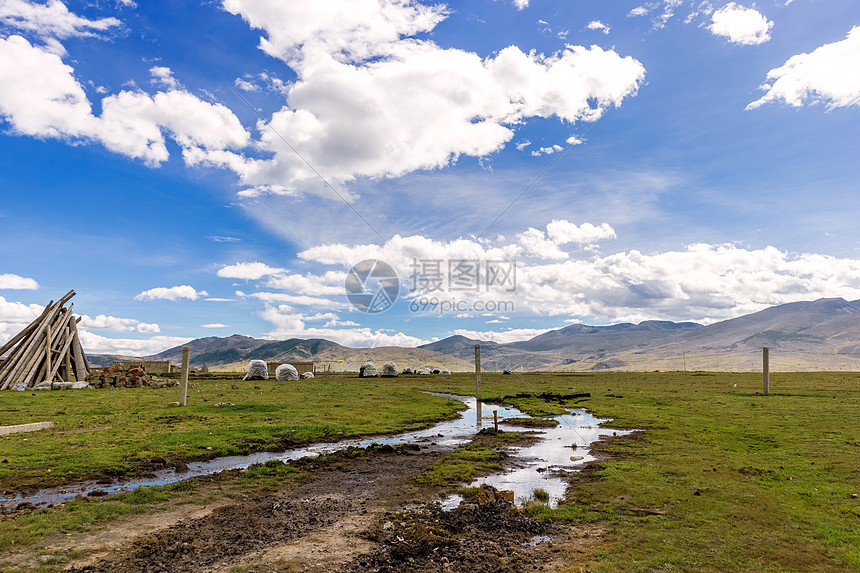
x,y
721,479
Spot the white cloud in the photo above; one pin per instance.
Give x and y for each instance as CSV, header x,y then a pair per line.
x,y
346,53
502,337
298,300
117,324
291,324
350,29
162,76
598,25
214,325
248,271
97,344
10,281
245,85
547,150
331,283
563,232
521,4
15,315
659,21
51,19
829,74
171,293
366,85
702,282
40,96
741,25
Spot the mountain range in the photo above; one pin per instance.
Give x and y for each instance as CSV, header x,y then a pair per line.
x,y
820,334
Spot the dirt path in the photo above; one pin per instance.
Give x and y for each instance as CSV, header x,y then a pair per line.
x,y
353,514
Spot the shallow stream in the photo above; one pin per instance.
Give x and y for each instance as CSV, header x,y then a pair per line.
x,y
535,467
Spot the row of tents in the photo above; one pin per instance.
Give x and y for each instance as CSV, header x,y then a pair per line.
x,y
258,370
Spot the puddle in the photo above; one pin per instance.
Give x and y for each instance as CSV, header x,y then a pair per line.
x,y
544,464
537,539
536,465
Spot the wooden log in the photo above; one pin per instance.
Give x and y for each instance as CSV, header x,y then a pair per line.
x,y
80,363
26,332
57,366
67,360
48,349
36,337
61,323
25,370
12,369
23,352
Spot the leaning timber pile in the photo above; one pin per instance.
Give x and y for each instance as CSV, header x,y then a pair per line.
x,y
46,353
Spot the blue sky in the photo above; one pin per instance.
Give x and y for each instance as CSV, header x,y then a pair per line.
x,y
203,169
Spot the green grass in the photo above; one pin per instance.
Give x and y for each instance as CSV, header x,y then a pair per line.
x,y
744,481
463,465
142,427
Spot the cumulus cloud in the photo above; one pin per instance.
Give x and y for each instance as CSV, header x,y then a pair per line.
x,y
51,19
547,150
40,97
10,281
97,344
703,282
598,25
501,336
289,323
163,76
16,315
367,80
171,293
366,85
248,271
327,284
741,25
829,74
117,324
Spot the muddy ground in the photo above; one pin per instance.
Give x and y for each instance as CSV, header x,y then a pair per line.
x,y
351,514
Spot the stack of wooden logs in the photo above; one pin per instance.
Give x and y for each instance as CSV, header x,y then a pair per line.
x,y
48,349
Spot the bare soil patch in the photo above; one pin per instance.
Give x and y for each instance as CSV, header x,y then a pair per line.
x,y
353,514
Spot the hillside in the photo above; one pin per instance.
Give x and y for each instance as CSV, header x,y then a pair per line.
x,y
819,334
232,353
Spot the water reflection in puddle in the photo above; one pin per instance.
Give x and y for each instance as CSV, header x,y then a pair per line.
x,y
543,464
536,464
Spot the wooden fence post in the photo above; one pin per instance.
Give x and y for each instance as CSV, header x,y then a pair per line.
x,y
478,384
765,368
183,379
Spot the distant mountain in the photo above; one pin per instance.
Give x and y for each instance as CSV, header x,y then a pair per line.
x,y
823,333
217,351
457,345
811,334
232,353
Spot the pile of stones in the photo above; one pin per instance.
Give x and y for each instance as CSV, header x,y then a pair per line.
x,y
134,376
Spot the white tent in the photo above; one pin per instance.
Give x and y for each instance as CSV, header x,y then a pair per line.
x,y
368,370
286,372
257,370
